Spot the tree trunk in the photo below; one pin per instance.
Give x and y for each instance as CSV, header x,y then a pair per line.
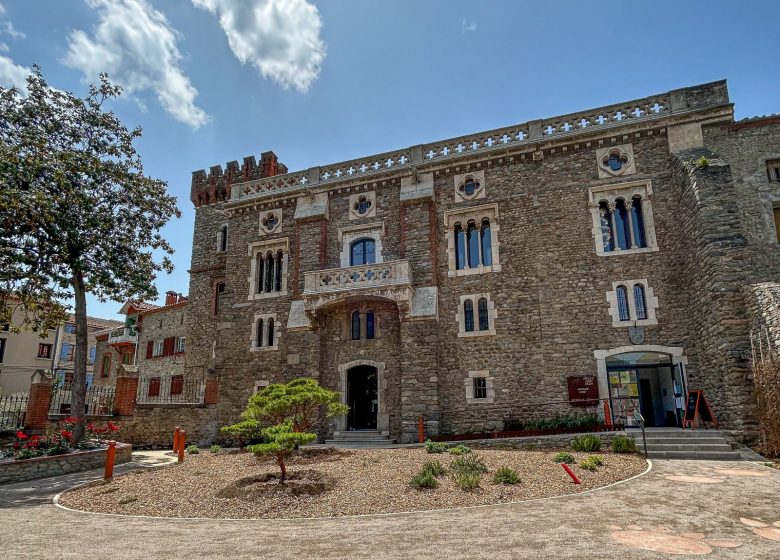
x,y
280,461
79,386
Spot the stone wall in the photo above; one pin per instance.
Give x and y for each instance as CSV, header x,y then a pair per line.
x,y
43,467
152,426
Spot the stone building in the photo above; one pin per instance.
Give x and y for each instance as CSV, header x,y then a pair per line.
x,y
473,281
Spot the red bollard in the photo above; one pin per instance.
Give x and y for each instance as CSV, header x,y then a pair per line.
x,y
108,473
570,473
180,450
420,429
607,415
176,440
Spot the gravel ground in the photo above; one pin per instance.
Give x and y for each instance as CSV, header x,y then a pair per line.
x,y
360,482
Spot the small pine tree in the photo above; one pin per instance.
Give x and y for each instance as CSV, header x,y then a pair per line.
x,y
281,442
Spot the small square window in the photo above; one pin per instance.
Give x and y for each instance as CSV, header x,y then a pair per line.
x,y
776,214
480,388
773,170
44,350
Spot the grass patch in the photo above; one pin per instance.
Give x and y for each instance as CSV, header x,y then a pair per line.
x,y
505,475
564,457
424,480
434,467
459,450
586,443
193,450
623,444
435,446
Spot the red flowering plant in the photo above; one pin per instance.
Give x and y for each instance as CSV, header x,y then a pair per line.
x,y
96,435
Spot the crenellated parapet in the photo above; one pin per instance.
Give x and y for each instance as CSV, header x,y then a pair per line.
x,y
215,186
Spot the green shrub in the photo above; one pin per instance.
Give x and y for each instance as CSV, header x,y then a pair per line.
x,y
459,450
434,467
467,480
590,464
623,444
215,448
564,457
586,443
471,463
435,446
505,475
192,450
424,479
597,460
703,162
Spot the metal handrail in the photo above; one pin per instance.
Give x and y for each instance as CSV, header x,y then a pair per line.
x,y
641,421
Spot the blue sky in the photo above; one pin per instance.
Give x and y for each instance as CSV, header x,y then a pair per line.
x,y
320,82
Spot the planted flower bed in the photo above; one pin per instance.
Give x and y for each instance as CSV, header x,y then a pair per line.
x,y
58,452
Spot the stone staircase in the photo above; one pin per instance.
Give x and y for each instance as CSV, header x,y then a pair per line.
x,y
360,439
674,443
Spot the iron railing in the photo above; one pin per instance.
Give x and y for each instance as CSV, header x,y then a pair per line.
x,y
12,411
99,401
171,389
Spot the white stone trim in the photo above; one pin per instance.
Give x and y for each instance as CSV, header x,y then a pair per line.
x,y
261,384
262,247
374,230
460,316
651,302
253,342
625,151
469,383
382,416
460,180
626,191
264,228
464,215
353,202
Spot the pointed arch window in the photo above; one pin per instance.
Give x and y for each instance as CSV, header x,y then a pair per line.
x,y
484,320
222,239
259,332
472,242
369,325
460,247
622,302
355,327
638,222
487,247
270,331
640,303
468,315
622,231
605,223
623,218
259,273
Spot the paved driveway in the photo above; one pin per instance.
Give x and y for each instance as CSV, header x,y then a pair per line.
x,y
663,514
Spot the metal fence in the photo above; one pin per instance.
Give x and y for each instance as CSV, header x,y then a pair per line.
x,y
171,389
12,411
99,401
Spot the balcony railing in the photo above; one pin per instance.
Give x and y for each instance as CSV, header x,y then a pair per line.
x,y
380,275
123,334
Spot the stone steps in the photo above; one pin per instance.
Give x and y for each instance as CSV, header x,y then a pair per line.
x,y
360,439
673,443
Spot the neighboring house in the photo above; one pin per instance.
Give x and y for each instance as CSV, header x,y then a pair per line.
x,y
466,280
23,353
153,343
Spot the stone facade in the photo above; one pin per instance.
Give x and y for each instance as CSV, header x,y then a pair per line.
x,y
535,191
44,467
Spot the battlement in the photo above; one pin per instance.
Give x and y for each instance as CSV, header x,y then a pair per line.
x,y
215,186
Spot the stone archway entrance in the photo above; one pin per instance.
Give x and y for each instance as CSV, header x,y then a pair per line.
x,y
362,398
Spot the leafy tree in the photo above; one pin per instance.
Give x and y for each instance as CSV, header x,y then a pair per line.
x,y
284,415
77,213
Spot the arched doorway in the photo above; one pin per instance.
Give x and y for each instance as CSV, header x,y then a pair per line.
x,y
362,398
647,378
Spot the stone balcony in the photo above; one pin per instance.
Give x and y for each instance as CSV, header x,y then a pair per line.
x,y
123,335
388,280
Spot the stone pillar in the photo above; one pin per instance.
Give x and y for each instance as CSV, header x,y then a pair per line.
x,y
126,390
211,395
38,403
419,379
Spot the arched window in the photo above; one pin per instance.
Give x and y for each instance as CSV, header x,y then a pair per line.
x,y
622,232
278,270
269,272
369,324
362,252
472,241
468,316
622,302
270,331
638,222
259,333
605,220
259,270
356,325
482,308
223,238
639,302
220,291
487,243
460,247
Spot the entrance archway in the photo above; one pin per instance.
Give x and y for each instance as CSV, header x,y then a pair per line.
x,y
648,378
362,398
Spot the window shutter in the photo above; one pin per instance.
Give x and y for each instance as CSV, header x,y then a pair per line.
x,y
168,346
149,349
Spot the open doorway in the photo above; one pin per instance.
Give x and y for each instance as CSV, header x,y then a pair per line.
x,y
362,398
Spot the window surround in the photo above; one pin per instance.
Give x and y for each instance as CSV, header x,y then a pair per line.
x,y
651,303
463,216
262,248
265,228
354,205
260,384
626,191
254,346
469,383
460,316
461,179
626,154
348,234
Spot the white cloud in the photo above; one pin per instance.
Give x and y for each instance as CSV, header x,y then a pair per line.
x,y
136,45
468,26
279,37
8,29
11,74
